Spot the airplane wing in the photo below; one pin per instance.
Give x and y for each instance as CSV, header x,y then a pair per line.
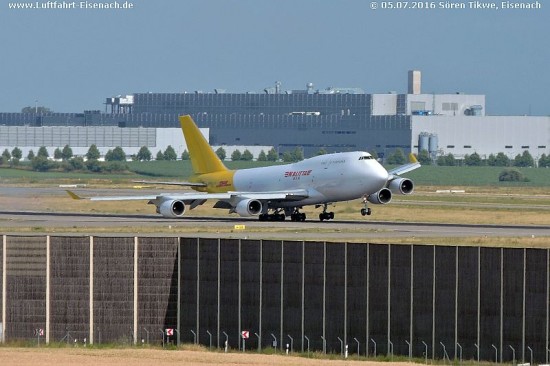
x,y
412,165
291,195
184,184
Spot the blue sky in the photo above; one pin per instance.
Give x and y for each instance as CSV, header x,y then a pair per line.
x,y
72,59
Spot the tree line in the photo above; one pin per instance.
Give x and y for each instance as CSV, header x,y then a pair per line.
x,y
500,160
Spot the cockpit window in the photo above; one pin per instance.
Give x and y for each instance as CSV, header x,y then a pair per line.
x,y
365,157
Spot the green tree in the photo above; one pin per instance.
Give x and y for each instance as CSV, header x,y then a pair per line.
x,y
446,160
236,155
262,156
287,157
43,152
93,165
544,161
16,153
321,151
185,155
524,160
502,160
144,154
272,155
30,155
41,164
491,160
298,154
6,155
66,153
221,153
511,175
473,160
397,158
57,154
117,154
77,163
160,156
424,157
39,110
247,155
93,153
170,154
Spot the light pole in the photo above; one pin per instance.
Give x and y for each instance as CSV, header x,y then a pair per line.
x,y
372,340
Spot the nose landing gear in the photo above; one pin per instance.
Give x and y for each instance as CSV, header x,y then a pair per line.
x,y
366,210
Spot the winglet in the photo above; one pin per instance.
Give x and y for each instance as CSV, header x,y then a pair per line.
x,y
412,158
73,195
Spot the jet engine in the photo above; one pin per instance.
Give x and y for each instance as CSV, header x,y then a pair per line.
x,y
248,207
402,186
172,208
381,197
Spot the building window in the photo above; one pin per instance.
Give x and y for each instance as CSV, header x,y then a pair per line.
x,y
450,106
508,146
418,106
525,147
467,146
450,146
542,147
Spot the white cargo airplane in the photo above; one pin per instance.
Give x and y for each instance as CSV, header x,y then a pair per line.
x,y
274,192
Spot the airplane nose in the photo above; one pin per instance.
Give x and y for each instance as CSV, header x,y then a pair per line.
x,y
378,176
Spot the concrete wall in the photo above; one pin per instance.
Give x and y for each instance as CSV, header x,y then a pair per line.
x,y
372,297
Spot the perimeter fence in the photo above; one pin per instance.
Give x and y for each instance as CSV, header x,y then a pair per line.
x,y
455,302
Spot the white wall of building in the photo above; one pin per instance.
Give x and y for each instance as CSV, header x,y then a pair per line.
x,y
485,135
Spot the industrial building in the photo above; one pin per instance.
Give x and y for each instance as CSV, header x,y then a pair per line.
x,y
332,119
440,302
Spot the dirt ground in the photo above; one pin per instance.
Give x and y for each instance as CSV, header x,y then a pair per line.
x,y
140,357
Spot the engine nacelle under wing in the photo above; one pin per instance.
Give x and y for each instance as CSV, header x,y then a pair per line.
x,y
401,186
172,208
381,197
248,207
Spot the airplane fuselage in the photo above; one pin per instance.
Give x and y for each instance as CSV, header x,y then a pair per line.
x,y
327,178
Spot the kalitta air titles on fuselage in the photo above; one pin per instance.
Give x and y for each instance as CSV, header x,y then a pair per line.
x,y
297,174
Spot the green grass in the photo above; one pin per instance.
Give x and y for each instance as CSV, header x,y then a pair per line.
x,y
425,176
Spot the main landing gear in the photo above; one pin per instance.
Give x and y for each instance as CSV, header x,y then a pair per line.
x,y
278,215
272,217
298,216
326,215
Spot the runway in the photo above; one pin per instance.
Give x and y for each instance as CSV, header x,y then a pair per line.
x,y
22,211
221,226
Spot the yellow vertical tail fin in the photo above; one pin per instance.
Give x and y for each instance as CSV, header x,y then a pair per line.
x,y
203,159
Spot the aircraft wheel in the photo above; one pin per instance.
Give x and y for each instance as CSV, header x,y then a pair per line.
x,y
369,211
303,217
321,216
331,215
363,212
